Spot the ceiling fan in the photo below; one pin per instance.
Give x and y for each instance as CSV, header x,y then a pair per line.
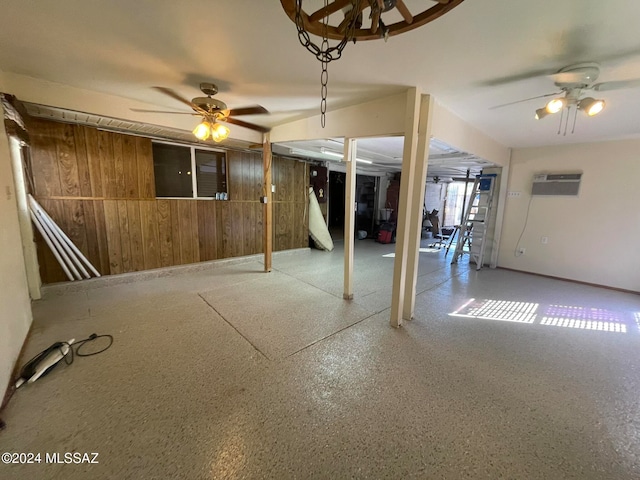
x,y
573,82
212,112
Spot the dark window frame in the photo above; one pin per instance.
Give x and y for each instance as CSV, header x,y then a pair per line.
x,y
193,172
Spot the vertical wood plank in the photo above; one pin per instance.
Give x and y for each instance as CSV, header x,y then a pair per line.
x,y
165,232
75,225
195,244
207,238
97,206
249,237
234,165
118,165
130,166
237,229
150,233
82,160
67,163
175,232
107,166
112,230
144,162
44,160
135,235
125,238
94,159
226,229
259,243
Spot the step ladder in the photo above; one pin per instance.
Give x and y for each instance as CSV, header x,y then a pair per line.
x,y
472,233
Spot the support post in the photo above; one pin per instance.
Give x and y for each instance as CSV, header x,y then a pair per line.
x,y
267,201
350,149
412,116
417,205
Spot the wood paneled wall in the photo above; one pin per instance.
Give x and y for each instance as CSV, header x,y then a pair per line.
x,y
99,187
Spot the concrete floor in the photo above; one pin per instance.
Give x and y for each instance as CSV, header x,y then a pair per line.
x,y
228,372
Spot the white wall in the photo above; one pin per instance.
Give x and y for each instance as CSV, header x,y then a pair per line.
x,y
594,236
15,307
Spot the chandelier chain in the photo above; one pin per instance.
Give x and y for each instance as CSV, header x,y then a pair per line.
x,y
325,53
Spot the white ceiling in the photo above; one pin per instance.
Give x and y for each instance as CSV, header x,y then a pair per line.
x,y
250,49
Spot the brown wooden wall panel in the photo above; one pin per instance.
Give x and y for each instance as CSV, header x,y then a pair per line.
x,y
99,187
144,162
67,161
150,234
130,167
44,159
165,233
92,149
82,159
112,231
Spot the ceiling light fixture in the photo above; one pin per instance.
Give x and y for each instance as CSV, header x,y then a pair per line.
x,y
210,129
591,106
555,105
541,113
354,25
331,152
588,105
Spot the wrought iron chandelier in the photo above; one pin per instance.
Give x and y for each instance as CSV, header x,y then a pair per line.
x,y
353,20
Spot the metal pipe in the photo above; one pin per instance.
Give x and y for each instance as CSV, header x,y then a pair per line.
x,y
79,254
44,234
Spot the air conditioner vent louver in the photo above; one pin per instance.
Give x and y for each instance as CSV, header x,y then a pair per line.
x,y
556,184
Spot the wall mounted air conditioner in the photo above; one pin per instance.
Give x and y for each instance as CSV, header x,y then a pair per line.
x,y
556,184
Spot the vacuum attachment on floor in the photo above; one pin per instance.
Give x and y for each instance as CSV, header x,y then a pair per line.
x,y
44,362
49,358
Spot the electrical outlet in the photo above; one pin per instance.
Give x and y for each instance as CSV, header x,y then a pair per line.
x,y
514,194
273,188
544,240
521,251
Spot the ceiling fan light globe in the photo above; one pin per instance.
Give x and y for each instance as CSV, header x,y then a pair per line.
x,y
222,132
555,105
541,113
591,106
202,130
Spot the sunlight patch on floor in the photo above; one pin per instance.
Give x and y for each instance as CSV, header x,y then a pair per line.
x,y
503,310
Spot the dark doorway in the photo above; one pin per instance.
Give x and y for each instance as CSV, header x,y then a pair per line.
x,y
337,182
366,187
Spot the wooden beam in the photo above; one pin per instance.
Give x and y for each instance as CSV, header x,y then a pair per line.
x,y
417,205
350,148
267,199
404,206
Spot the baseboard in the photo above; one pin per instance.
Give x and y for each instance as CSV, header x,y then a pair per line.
x,y
10,388
617,289
130,277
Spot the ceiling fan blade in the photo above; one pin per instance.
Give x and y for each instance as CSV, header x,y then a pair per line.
x,y
606,86
252,110
517,77
161,111
525,100
181,99
404,11
251,126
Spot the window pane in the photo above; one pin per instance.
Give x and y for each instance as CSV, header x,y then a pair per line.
x,y
211,174
172,168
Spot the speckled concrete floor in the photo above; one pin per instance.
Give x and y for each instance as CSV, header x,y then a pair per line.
x,y
233,373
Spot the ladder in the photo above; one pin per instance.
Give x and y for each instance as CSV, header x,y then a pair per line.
x,y
473,231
